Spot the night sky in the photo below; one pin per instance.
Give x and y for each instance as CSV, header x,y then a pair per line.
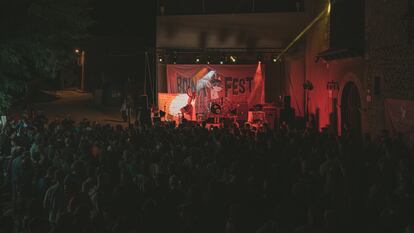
x,y
123,18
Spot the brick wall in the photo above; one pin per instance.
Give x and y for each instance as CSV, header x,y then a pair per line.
x,y
388,56
388,53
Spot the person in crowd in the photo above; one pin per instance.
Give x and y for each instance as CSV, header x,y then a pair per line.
x,y
54,199
62,176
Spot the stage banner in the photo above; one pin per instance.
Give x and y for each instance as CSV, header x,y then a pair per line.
x,y
400,117
226,85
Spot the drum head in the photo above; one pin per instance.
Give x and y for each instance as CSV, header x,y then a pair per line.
x,y
215,108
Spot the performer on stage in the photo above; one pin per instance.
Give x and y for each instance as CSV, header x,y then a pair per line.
x,y
188,109
209,88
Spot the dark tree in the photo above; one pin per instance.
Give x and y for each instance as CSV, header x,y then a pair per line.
x,y
37,38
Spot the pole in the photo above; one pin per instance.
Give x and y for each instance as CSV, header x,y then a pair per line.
x,y
253,6
83,70
145,72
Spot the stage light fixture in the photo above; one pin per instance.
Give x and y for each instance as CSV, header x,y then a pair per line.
x,y
259,58
329,7
233,59
174,58
274,60
197,60
161,57
221,62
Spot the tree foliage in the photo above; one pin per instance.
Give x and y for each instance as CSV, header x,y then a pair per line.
x,y
37,38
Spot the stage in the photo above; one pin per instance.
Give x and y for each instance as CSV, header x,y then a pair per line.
x,y
216,94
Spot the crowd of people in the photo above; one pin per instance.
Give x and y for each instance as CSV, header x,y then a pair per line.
x,y
73,177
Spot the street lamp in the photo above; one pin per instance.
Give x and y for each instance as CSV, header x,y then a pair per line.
x,y
81,63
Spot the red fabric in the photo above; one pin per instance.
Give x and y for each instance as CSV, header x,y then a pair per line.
x,y
226,84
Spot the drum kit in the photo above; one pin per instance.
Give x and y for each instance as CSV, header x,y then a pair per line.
x,y
216,109
223,109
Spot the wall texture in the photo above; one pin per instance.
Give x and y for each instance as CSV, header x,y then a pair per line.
x,y
385,71
389,57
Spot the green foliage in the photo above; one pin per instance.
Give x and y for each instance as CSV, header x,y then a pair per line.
x,y
36,41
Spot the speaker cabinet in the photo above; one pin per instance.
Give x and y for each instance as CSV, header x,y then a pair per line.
x,y
286,101
243,111
144,117
142,102
287,115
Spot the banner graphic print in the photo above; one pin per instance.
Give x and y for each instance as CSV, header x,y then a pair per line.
x,y
199,87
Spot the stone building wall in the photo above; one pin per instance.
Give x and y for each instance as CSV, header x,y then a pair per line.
x,y
389,57
320,72
317,40
388,62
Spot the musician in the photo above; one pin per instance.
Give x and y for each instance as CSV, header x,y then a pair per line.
x,y
188,109
208,89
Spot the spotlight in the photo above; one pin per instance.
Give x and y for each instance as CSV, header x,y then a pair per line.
x,y
221,62
208,62
233,59
274,60
198,60
77,51
160,59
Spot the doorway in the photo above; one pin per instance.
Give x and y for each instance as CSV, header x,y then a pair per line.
x,y
350,110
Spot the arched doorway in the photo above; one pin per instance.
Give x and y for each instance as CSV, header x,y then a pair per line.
x,y
350,110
